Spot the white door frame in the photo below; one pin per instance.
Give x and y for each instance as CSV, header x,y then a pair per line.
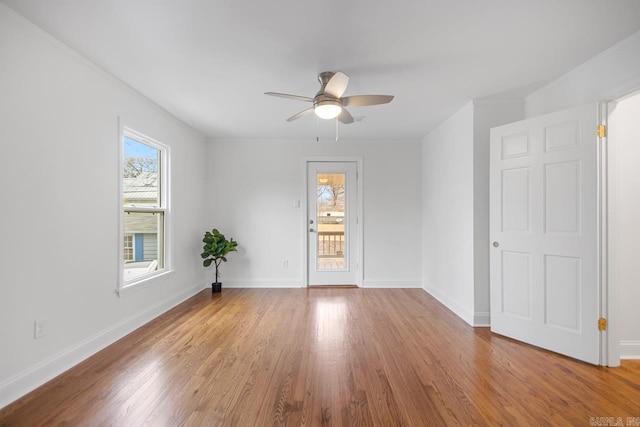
x,y
359,212
603,237
610,287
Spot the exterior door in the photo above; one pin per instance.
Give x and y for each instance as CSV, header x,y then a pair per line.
x,y
544,258
331,223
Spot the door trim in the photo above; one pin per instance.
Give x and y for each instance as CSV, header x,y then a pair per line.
x,y
607,357
359,161
610,296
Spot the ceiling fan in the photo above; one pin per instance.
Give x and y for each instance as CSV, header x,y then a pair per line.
x,y
329,103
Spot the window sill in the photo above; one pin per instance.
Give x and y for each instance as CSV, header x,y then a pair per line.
x,y
144,282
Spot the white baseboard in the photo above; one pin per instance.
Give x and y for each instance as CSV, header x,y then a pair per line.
x,y
630,350
17,386
457,309
274,283
278,283
399,284
481,319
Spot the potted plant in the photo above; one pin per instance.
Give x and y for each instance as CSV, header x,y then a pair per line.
x,y
215,249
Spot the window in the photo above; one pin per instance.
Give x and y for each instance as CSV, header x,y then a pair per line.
x,y
128,248
144,208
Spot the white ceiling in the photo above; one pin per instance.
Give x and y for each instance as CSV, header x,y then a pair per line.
x,y
208,62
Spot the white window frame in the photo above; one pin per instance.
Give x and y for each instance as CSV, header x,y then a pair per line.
x,y
126,286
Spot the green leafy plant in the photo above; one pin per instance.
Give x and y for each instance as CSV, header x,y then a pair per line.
x,y
215,249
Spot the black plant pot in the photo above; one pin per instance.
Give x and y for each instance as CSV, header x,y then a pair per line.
x,y
216,287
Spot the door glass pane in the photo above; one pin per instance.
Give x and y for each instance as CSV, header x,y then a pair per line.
x,y
330,215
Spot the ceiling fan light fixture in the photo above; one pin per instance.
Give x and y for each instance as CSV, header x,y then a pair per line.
x,y
328,109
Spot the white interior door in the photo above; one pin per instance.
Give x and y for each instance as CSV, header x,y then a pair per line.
x,y
544,274
332,223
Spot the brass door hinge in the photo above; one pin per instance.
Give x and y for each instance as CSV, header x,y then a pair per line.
x,y
602,324
602,131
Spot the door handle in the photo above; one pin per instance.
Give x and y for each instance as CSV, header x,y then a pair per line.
x,y
310,221
496,244
311,230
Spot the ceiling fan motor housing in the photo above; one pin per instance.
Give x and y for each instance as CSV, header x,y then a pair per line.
x,y
322,99
324,78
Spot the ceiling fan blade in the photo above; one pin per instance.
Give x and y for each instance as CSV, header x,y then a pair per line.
x,y
364,100
337,84
294,97
345,117
300,114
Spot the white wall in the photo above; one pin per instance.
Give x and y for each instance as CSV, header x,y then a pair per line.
x,y
447,195
59,213
455,186
614,72
254,184
624,229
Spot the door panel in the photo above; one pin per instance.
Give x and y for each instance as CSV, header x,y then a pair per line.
x,y
332,230
562,291
562,197
516,206
516,284
543,182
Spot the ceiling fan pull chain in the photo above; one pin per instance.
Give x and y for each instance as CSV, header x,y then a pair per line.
x,y
337,136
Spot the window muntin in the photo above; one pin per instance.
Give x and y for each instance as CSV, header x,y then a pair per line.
x,y
144,196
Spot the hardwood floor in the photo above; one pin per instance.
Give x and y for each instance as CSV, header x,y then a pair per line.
x,y
369,357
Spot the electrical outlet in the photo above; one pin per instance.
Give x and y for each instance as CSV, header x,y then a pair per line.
x,y
40,328
285,263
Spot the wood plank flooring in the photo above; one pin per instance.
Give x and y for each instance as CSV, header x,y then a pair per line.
x,y
315,357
